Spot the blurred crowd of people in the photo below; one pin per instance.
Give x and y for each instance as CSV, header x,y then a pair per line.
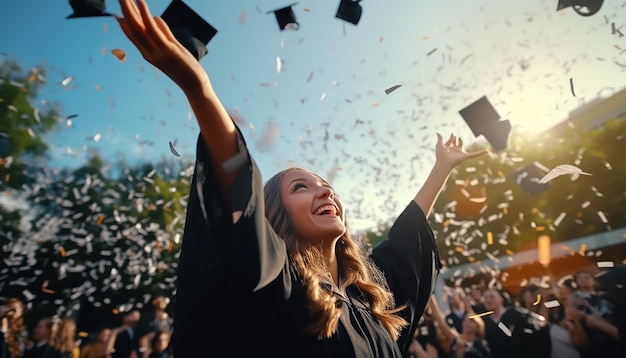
x,y
138,336
577,317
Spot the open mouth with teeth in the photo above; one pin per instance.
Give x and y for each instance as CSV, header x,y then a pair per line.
x,y
326,210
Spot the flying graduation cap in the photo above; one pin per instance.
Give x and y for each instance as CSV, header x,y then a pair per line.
x,y
528,178
483,120
349,11
88,8
286,18
189,28
582,7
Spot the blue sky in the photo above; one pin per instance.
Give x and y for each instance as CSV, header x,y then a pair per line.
x,y
326,109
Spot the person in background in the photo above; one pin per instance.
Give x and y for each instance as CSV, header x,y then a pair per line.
x,y
476,298
64,338
458,310
154,322
41,336
159,345
13,334
470,343
278,259
99,347
509,332
124,341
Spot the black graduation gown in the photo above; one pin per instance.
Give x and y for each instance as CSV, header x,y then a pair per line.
x,y
238,295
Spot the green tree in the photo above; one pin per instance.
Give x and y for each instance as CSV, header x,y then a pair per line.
x,y
22,127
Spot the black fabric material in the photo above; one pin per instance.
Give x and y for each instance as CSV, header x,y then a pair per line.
x,y
239,296
43,351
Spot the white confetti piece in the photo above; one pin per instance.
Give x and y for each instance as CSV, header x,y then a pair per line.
x,y
67,80
563,169
603,217
552,304
279,64
559,218
605,264
505,329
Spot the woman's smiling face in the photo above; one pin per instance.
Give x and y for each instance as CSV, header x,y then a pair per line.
x,y
315,213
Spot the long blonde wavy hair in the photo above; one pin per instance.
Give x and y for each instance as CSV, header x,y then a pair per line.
x,y
355,268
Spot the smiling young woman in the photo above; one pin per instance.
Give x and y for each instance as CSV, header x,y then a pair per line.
x,y
271,270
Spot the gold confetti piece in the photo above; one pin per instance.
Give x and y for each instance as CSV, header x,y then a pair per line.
x,y
306,9
489,238
62,252
392,88
480,315
582,250
173,150
538,299
115,311
100,220
47,290
571,86
83,334
119,53
543,248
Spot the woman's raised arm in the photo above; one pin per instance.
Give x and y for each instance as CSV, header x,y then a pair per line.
x,y
157,44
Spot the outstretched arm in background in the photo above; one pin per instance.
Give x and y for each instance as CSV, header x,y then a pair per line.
x,y
156,43
448,156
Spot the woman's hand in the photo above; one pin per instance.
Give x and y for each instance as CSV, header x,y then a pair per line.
x,y
157,44
451,153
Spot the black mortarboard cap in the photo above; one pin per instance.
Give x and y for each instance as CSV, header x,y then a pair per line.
x,y
350,11
189,28
479,114
286,18
88,8
482,118
497,134
582,7
528,178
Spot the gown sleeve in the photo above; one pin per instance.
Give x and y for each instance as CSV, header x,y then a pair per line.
x,y
409,259
225,256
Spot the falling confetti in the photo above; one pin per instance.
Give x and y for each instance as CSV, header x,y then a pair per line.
x,y
480,315
605,264
551,304
571,86
392,88
120,54
173,150
279,64
67,80
563,169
